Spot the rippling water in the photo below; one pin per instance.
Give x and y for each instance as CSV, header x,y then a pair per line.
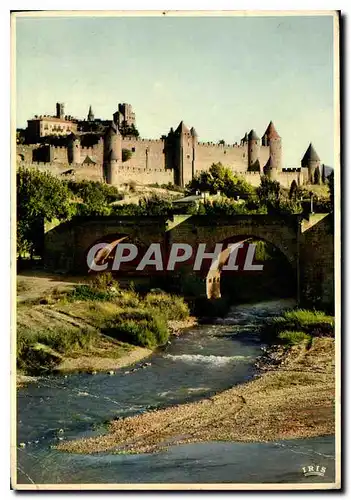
x,y
201,362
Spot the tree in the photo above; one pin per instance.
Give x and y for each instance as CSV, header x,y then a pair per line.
x,y
331,189
220,178
41,197
155,205
95,197
293,190
268,191
287,207
221,142
324,177
128,130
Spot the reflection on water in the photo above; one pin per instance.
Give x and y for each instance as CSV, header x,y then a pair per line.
x,y
202,362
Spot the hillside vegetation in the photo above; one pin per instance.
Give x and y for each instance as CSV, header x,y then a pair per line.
x,y
95,320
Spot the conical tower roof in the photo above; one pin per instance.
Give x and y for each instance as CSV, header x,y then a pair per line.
x,y
90,114
182,129
271,132
310,155
244,139
253,136
193,132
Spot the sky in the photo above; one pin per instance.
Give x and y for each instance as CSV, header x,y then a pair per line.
x,y
222,75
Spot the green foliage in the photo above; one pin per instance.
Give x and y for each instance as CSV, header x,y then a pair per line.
x,y
172,307
273,197
263,251
317,176
143,327
128,131
331,188
41,197
87,292
290,338
268,191
95,197
220,178
148,205
293,190
40,350
305,318
313,322
102,281
155,205
224,206
119,314
287,207
126,154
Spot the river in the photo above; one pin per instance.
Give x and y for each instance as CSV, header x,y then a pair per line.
x,y
201,362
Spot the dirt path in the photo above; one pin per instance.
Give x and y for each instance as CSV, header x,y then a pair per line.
x,y
34,284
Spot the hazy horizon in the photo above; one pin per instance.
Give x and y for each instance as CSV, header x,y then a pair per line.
x,y
222,75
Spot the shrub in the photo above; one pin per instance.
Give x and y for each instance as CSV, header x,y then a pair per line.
x,y
40,350
305,319
171,306
126,154
316,323
141,327
102,281
87,292
292,338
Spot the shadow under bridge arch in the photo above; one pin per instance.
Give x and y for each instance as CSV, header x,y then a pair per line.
x,y
250,267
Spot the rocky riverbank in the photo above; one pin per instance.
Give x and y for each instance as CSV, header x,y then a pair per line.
x,y
292,397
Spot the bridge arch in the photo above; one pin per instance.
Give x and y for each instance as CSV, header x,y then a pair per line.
x,y
214,278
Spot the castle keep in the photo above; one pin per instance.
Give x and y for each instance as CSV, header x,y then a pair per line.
x,y
119,158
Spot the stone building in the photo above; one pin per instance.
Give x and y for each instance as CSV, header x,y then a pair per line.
x,y
124,115
310,163
44,125
175,158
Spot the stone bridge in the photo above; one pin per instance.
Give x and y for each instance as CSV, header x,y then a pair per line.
x,y
307,244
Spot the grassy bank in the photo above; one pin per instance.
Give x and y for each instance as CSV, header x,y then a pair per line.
x,y
94,326
293,398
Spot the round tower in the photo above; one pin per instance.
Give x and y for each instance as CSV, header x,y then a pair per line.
x,y
244,140
194,144
73,149
254,151
270,170
272,139
183,154
112,154
309,164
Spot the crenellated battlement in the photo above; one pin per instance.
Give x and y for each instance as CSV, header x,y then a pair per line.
x,y
175,158
221,146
